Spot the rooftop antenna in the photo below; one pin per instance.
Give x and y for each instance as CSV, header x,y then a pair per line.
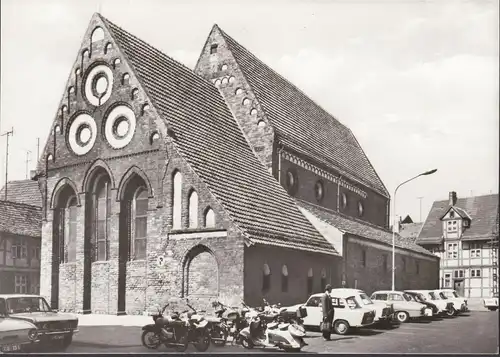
x,y
420,198
8,133
28,152
37,149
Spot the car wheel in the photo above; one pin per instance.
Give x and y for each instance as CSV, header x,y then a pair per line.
x,y
451,312
493,308
341,327
402,316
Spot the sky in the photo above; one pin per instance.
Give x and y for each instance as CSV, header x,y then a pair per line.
x,y
416,81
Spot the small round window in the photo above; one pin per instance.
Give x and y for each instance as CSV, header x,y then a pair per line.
x,y
319,191
291,181
361,209
344,200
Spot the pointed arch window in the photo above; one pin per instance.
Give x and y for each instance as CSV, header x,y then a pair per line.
x,y
323,279
284,279
177,201
193,209
70,227
102,218
139,222
266,278
310,281
209,218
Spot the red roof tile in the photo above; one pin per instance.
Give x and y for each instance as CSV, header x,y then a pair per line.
x,y
300,122
483,211
211,142
21,219
22,191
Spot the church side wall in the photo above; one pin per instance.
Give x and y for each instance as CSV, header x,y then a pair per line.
x,y
298,264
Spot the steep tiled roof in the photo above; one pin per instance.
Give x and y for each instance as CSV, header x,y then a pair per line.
x,y
20,218
410,230
209,139
483,211
22,191
362,229
303,124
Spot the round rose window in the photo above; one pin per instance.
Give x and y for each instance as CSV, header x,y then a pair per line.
x,y
82,134
120,126
98,85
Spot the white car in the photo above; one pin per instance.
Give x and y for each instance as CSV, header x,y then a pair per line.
x,y
445,307
384,311
349,311
491,303
15,335
405,306
459,303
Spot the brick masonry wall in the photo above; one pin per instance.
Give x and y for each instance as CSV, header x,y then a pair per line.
x,y
238,95
374,275
298,264
374,204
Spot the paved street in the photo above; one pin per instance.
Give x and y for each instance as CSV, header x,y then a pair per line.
x,y
476,332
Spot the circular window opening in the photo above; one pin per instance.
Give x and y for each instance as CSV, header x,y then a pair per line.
x,y
83,135
121,127
253,112
344,200
224,67
319,191
360,208
238,91
246,101
100,85
261,123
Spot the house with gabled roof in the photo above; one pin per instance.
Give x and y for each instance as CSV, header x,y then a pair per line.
x,y
20,239
22,191
156,185
463,232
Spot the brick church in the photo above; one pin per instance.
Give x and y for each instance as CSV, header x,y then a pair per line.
x,y
159,182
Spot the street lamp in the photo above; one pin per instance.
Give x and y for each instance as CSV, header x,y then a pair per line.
x,y
394,225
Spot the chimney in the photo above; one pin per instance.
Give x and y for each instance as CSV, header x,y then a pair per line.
x,y
453,198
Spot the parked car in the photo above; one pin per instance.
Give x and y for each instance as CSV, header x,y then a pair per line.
x,y
349,311
405,306
418,297
383,310
15,335
459,302
445,307
52,325
491,303
458,305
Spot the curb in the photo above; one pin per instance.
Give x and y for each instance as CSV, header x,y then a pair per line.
x,y
104,345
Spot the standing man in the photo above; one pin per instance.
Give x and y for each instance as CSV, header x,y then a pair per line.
x,y
327,307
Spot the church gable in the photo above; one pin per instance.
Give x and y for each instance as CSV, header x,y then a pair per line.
x,y
217,64
104,112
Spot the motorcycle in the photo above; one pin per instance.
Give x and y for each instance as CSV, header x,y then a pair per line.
x,y
171,330
265,330
232,320
198,333
284,315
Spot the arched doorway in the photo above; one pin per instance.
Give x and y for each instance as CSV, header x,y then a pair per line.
x,y
200,273
97,228
132,232
63,235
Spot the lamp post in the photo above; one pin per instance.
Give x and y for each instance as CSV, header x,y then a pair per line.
x,y
394,225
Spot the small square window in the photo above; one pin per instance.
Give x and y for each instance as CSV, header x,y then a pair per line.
x,y
213,49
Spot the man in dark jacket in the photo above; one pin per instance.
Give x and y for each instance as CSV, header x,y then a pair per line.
x,y
327,307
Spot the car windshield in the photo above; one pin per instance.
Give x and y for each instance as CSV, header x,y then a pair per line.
x,y
27,304
433,296
419,297
408,297
365,299
443,296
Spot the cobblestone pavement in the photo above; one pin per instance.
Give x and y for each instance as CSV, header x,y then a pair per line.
x,y
475,332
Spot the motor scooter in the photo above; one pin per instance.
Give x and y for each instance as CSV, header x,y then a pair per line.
x,y
265,331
